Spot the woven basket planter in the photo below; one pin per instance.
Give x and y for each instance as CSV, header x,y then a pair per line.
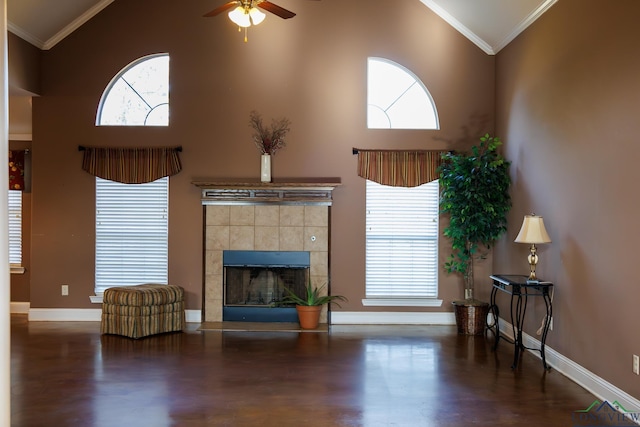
x,y
471,317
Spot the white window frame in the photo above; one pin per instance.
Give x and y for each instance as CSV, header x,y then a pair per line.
x,y
397,98
402,232
132,233
15,231
138,95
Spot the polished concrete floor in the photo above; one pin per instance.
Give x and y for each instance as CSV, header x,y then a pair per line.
x,y
67,374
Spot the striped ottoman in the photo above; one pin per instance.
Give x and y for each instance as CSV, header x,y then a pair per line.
x,y
142,310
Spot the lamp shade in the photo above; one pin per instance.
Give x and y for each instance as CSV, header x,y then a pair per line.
x,y
240,17
256,15
533,231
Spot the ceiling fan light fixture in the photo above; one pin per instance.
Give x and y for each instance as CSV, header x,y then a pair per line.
x,y
256,15
240,17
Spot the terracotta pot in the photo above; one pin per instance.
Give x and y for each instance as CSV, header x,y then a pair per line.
x,y
308,316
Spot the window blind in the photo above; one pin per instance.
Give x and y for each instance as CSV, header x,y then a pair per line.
x,y
15,227
402,241
132,233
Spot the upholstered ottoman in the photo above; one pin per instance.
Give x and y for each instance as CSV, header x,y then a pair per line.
x,y
142,310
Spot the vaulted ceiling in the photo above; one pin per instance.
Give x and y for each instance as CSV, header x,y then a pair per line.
x,y
490,24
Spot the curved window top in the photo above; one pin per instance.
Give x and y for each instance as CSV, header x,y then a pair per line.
x,y
397,99
138,95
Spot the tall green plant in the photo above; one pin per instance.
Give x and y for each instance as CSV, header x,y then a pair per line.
x,y
475,196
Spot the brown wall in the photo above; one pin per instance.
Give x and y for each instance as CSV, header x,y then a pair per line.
x,y
311,69
24,81
567,97
23,64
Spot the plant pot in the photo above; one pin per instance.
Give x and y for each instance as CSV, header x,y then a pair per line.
x,y
471,316
308,316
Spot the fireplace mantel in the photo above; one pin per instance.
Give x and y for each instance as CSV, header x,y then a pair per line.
x,y
284,192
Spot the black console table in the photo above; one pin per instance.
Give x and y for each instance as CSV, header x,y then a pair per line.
x,y
520,289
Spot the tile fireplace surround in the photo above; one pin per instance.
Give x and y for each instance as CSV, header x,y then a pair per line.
x,y
263,216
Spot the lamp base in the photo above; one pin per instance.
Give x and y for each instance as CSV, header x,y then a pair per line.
x,y
533,261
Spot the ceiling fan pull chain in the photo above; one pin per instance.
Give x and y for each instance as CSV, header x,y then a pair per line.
x,y
245,34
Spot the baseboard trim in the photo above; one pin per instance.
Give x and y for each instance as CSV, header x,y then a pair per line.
x,y
600,388
65,314
391,318
87,315
19,307
193,316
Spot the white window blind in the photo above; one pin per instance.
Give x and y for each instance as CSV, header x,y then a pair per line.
x,y
402,241
132,233
15,228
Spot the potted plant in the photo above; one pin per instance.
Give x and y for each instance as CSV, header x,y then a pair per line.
x,y
475,196
309,306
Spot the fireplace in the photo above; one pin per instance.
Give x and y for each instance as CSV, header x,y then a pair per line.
x,y
272,217
255,283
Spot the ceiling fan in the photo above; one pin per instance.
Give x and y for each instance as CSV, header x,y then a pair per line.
x,y
245,10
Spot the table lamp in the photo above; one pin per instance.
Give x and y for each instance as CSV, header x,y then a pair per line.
x,y
532,232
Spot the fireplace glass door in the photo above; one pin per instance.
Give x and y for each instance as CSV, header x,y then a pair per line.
x,y
255,284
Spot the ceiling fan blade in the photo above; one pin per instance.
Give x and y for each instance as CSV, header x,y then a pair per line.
x,y
223,8
276,10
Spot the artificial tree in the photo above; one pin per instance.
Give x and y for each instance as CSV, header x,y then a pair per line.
x,y
475,196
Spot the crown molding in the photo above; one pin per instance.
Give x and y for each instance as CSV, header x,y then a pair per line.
x,y
60,35
24,35
482,44
530,19
76,23
451,20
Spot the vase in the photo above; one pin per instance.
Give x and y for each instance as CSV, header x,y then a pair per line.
x,y
265,168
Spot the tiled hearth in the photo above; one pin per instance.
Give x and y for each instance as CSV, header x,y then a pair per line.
x,y
263,217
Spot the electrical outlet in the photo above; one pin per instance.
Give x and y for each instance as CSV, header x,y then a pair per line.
x,y
65,290
636,365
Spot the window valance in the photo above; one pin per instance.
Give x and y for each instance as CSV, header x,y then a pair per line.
x,y
131,165
16,170
399,168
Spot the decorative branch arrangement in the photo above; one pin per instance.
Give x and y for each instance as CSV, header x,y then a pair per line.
x,y
269,139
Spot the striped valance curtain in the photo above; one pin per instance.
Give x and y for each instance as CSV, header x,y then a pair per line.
x,y
399,168
131,165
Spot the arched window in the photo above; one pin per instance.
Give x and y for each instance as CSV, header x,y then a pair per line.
x,y
138,95
132,219
402,223
397,99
